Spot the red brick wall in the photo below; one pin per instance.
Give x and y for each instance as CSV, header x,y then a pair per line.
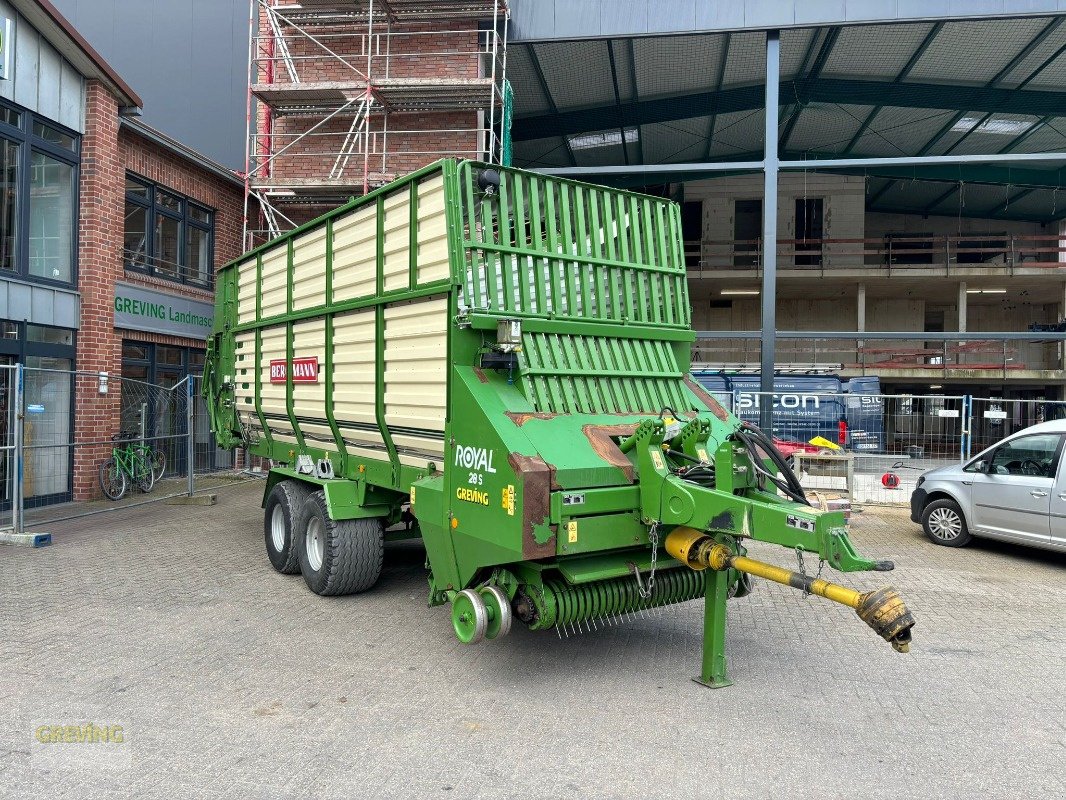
x,y
101,187
433,50
107,154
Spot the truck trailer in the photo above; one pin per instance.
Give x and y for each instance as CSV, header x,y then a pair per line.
x,y
497,361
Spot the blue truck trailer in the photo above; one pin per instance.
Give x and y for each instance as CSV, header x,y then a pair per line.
x,y
808,406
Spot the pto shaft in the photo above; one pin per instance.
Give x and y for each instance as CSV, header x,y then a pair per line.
x,y
882,609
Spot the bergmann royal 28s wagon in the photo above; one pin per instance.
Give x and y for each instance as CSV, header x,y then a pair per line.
x,y
498,361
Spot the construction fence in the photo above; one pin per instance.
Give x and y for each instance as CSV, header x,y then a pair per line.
x,y
873,447
76,443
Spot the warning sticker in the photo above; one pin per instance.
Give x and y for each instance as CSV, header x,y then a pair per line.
x,y
571,531
801,523
508,499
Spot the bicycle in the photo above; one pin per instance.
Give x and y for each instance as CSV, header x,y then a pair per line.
x,y
135,464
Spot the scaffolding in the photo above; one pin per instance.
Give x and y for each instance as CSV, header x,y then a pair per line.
x,y
345,95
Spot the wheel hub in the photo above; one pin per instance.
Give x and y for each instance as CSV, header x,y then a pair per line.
x,y
315,543
945,524
277,528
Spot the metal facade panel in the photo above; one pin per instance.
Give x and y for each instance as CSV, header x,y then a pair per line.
x,y
824,11
72,98
19,298
27,64
581,18
548,19
631,17
50,74
66,309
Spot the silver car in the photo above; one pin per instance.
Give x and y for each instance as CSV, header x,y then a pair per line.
x,y
1014,491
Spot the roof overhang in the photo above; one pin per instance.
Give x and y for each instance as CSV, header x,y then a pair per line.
x,y
178,149
552,20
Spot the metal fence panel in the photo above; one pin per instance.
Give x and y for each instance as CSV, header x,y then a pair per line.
x,y
61,426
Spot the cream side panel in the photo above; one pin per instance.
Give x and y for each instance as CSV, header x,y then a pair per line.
x,y
432,255
416,364
309,270
272,395
275,281
309,399
246,291
353,376
397,245
355,254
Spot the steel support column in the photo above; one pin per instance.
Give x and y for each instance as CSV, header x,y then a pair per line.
x,y
769,225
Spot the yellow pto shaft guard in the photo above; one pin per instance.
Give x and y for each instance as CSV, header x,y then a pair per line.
x,y
882,609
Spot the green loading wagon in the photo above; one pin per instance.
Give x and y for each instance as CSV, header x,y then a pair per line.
x,y
497,361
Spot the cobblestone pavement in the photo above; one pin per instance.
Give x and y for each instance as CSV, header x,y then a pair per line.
x,y
230,680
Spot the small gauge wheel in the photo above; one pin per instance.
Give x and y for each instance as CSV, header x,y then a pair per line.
x,y
470,618
499,611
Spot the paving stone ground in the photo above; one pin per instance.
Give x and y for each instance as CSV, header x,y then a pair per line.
x,y
230,680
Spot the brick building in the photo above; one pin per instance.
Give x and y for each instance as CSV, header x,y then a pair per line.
x,y
110,234
351,94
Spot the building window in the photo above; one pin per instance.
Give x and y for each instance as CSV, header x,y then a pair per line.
x,y
38,198
167,235
52,219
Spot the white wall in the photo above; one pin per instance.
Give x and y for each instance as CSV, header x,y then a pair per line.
x,y
844,199
42,80
878,224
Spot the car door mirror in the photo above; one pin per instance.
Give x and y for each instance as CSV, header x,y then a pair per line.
x,y
977,466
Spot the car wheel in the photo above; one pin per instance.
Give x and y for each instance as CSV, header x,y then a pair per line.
x,y
945,524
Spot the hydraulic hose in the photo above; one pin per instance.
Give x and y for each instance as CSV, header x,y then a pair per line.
x,y
754,437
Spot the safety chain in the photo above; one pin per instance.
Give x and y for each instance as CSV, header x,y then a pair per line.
x,y
803,571
646,591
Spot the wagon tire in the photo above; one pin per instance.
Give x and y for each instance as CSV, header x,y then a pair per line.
x,y
945,524
281,522
338,556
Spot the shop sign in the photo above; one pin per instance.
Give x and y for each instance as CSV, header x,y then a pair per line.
x,y
141,309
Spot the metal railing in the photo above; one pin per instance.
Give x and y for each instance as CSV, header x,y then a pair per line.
x,y
918,358
57,427
950,255
885,441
